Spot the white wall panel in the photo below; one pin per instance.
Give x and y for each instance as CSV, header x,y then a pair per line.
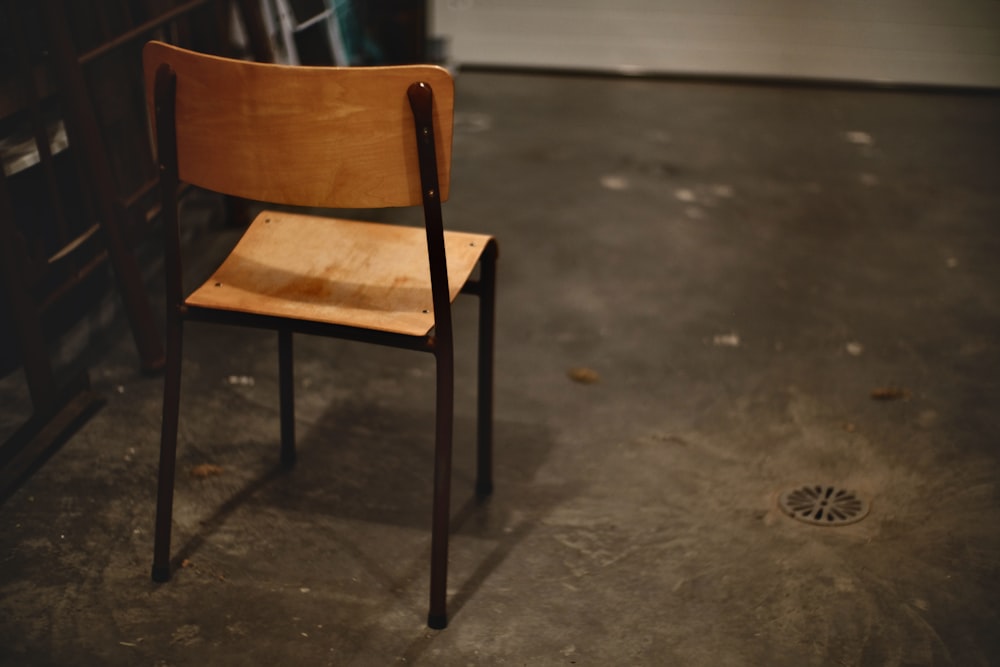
x,y
950,42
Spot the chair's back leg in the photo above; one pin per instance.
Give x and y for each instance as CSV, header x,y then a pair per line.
x,y
165,92
422,104
286,390
437,618
168,450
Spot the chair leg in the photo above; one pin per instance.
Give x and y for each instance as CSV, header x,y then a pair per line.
x,y
168,453
484,419
437,618
286,389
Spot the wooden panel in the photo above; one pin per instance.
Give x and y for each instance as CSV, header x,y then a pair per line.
x,y
894,41
370,275
309,136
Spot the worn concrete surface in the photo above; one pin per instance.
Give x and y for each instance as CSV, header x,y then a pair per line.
x,y
740,266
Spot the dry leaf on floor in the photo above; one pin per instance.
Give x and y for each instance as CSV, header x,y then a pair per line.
x,y
206,470
584,375
889,393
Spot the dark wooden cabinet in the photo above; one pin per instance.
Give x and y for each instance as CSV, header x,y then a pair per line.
x,y
78,184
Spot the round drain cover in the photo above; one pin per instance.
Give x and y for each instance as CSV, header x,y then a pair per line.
x,y
824,505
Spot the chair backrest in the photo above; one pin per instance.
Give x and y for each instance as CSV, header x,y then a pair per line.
x,y
334,137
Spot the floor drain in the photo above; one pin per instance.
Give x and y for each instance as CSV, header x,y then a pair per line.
x,y
824,505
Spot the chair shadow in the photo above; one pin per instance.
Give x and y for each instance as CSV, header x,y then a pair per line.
x,y
306,488
209,526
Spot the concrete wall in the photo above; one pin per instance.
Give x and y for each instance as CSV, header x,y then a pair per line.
x,y
951,42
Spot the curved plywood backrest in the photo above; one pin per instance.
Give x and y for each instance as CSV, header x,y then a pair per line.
x,y
336,137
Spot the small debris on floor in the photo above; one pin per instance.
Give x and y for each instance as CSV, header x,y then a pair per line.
x,y
951,262
584,375
889,393
215,574
241,380
685,195
858,137
613,182
726,340
206,470
849,427
186,635
855,349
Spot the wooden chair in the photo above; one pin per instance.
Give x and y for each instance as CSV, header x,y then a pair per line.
x,y
333,138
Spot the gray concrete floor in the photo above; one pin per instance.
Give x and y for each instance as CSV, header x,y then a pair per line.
x,y
740,266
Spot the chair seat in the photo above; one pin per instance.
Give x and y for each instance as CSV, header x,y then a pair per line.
x,y
359,274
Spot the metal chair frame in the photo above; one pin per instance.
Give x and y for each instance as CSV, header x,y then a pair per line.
x,y
439,341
